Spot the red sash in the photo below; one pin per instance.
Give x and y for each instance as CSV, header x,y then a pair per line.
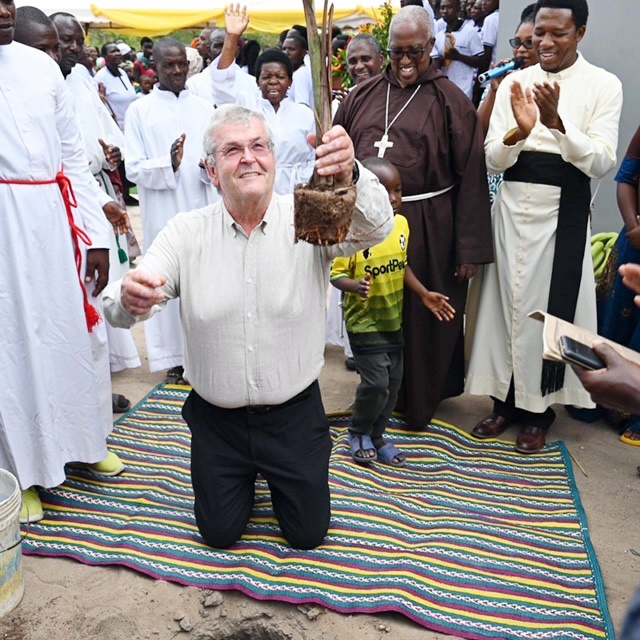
x,y
77,234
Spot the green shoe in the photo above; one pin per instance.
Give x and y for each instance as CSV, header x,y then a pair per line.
x,y
31,510
110,466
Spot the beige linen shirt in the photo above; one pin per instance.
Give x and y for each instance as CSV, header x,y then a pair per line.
x,y
252,307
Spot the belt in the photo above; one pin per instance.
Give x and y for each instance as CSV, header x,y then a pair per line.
x,y
77,235
426,196
261,409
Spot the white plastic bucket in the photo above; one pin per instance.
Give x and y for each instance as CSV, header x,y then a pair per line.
x,y
11,582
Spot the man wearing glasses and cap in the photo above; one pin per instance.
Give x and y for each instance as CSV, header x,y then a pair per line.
x,y
414,117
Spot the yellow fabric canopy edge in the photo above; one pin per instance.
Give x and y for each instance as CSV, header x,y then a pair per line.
x,y
156,22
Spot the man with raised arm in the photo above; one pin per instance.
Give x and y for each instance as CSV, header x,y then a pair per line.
x,y
253,310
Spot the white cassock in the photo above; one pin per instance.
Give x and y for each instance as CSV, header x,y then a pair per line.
x,y
525,216
289,125
81,71
152,124
96,124
49,410
205,85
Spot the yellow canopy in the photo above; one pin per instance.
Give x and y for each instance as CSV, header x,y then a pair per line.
x,y
155,22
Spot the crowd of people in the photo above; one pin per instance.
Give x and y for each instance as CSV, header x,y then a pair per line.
x,y
233,305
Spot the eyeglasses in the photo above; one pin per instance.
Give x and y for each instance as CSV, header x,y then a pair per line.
x,y
257,149
516,43
415,53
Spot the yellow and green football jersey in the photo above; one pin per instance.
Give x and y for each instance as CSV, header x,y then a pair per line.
x,y
376,320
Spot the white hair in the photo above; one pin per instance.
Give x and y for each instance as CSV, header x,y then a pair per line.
x,y
230,114
415,16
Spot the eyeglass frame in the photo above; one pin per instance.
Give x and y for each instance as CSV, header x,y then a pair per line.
x,y
414,54
516,43
235,151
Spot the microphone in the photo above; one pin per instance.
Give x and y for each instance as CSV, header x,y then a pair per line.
x,y
500,70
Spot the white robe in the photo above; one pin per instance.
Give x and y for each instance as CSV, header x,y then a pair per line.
x,y
96,124
525,216
289,125
49,411
152,124
205,85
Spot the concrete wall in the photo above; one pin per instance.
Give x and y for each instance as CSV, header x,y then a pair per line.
x,y
609,43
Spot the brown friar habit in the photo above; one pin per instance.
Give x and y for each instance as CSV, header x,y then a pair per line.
x,y
437,142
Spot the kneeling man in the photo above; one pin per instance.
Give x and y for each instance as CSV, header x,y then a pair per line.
x,y
253,313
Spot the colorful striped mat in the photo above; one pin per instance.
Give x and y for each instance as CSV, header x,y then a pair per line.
x,y
469,539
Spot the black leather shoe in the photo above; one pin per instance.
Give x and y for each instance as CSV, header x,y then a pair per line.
x,y
492,426
530,439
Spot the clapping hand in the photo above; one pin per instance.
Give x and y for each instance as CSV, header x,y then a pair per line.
x,y
546,98
524,109
177,151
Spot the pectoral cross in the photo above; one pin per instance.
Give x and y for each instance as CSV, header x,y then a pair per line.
x,y
382,145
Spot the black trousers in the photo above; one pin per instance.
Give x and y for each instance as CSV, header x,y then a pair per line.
x,y
507,409
288,445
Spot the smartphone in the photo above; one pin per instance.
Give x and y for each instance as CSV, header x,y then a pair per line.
x,y
580,354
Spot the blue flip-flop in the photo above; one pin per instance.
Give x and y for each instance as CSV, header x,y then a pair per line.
x,y
388,453
359,443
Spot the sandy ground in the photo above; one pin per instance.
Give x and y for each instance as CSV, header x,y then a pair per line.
x,y
65,600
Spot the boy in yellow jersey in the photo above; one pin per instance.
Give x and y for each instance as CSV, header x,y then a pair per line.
x,y
373,281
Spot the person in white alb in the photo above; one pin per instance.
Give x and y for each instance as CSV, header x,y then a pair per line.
x,y
50,413
163,148
102,141
206,86
458,48
253,306
550,137
290,122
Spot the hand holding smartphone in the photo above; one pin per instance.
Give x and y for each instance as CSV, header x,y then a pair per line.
x,y
580,354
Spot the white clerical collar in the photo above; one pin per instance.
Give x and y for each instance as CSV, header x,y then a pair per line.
x,y
567,73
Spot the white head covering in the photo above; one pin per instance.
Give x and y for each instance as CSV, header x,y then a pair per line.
x,y
195,61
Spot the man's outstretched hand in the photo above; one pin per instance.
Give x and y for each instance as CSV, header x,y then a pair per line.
x,y
140,291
